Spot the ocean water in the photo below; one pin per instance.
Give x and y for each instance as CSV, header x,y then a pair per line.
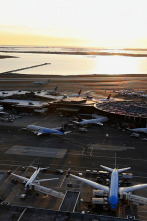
x,y
72,64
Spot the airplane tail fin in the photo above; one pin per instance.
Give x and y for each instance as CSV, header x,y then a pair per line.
x,y
108,96
79,118
35,168
45,180
119,170
63,128
43,168
107,168
80,92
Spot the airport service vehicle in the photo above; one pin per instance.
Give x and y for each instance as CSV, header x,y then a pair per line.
x,y
44,130
139,130
32,181
97,121
41,82
113,190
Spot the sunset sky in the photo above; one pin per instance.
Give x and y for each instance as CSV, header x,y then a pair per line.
x,y
80,23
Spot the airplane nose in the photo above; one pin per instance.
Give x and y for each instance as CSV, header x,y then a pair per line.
x,y
113,200
113,207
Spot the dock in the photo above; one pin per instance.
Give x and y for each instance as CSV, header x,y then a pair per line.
x,y
21,69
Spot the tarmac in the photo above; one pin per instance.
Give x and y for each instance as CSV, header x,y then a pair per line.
x,y
76,150
79,151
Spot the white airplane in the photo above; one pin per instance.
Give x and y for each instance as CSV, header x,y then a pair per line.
x,y
41,82
53,92
107,99
75,95
113,190
1,108
44,130
33,181
98,121
139,130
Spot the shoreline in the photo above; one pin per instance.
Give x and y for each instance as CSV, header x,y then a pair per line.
x,y
7,74
79,53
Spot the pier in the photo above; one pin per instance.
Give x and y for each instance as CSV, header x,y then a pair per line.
x,y
21,69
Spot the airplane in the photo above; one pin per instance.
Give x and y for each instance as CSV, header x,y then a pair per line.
x,y
107,99
41,82
139,130
1,108
44,130
75,95
52,92
98,121
113,190
32,181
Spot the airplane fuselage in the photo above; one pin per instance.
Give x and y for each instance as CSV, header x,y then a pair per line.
x,y
139,130
44,130
93,121
114,189
32,178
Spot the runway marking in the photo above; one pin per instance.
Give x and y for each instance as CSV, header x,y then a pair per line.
x,y
30,165
18,193
91,151
40,120
62,182
37,151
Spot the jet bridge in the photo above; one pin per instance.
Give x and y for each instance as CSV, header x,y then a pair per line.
x,y
139,200
48,191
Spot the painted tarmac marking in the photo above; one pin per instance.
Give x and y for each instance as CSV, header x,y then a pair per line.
x,y
62,182
91,151
30,165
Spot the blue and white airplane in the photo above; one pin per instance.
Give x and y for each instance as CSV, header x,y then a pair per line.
x,y
32,181
44,130
139,130
113,190
41,82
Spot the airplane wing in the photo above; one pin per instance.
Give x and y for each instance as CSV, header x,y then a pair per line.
x,y
44,180
43,131
76,122
136,199
131,188
39,133
49,131
20,177
100,124
91,183
67,132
